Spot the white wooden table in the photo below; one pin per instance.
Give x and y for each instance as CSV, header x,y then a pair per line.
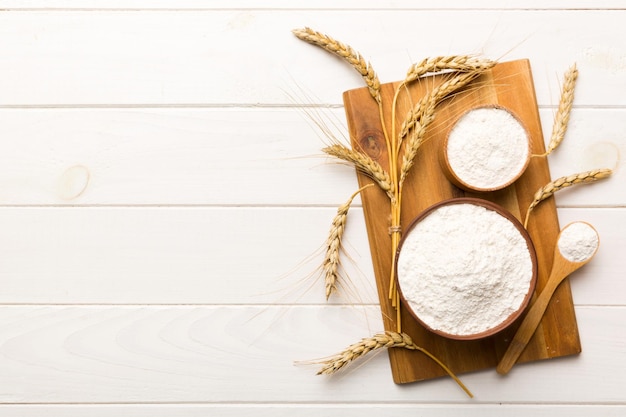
x,y
161,192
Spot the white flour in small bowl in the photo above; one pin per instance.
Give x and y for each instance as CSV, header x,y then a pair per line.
x,y
464,269
488,148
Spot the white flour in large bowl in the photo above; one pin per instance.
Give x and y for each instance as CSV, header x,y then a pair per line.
x,y
487,148
464,269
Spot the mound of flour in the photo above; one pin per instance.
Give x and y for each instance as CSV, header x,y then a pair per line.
x,y
487,148
464,269
578,242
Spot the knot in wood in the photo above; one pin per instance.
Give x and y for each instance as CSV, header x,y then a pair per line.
x,y
372,143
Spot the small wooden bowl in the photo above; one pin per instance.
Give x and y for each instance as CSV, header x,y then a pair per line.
x,y
533,259
463,183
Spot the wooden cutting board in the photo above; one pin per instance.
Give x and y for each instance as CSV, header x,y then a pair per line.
x,y
509,85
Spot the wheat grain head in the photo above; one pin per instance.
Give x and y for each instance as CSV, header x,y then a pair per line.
x,y
331,264
387,339
562,116
461,63
346,52
364,164
564,182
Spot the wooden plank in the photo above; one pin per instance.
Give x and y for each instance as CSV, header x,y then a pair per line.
x,y
176,256
588,145
99,355
132,255
195,57
173,156
166,157
508,85
597,281
308,410
98,5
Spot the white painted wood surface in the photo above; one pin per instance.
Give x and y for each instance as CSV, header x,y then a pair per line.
x,y
163,200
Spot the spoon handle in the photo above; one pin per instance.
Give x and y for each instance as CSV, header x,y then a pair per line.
x,y
528,326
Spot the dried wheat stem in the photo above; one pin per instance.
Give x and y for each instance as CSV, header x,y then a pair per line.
x,y
388,339
331,263
563,113
347,53
458,63
442,91
423,114
461,63
417,137
364,164
564,182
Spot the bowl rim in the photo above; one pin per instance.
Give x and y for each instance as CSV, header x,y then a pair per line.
x,y
531,249
452,175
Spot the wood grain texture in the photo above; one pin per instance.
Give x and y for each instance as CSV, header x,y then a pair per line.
x,y
194,57
306,410
207,354
86,255
167,5
100,157
508,85
172,156
176,256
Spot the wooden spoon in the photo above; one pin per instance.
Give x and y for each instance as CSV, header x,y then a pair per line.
x,y
561,268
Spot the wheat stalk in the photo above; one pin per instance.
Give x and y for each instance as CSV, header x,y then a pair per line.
x,y
415,114
417,137
422,115
364,164
331,262
461,63
563,113
441,92
388,339
347,53
564,182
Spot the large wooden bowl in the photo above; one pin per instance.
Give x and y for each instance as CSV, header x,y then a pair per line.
x,y
519,309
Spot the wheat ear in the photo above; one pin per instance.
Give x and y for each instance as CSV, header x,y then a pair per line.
x,y
564,182
388,339
364,164
442,91
331,263
422,115
563,113
425,118
461,63
347,53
